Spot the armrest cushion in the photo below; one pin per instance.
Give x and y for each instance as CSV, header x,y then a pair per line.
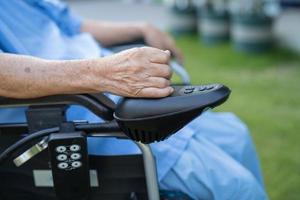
x,y
99,104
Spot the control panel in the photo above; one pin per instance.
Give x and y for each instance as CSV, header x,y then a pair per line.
x,y
194,90
70,166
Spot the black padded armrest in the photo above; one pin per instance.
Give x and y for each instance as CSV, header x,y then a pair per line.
x,y
99,104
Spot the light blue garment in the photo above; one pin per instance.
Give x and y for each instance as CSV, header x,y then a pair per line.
x,y
213,157
222,161
55,30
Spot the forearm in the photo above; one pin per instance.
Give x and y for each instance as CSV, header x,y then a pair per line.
x,y
29,77
110,33
138,72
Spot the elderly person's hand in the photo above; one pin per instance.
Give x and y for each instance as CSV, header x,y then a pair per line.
x,y
138,72
158,39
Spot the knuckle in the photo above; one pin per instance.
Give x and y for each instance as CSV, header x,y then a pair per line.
x,y
168,71
137,93
165,83
143,93
166,57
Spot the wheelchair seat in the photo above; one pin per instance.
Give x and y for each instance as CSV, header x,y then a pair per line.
x,y
29,172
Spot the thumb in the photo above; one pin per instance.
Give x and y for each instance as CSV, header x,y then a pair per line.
x,y
168,52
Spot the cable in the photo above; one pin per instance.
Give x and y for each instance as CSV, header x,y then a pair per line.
x,y
106,127
10,150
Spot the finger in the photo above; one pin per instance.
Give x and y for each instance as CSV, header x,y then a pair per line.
x,y
160,70
152,92
175,52
160,56
158,82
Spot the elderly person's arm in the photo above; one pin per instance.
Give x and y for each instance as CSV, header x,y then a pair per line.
x,y
111,33
139,72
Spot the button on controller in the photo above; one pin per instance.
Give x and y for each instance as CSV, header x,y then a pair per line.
x,y
189,90
75,156
209,87
67,158
193,90
201,88
76,164
74,147
63,165
61,149
62,157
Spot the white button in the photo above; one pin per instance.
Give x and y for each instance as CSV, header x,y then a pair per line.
x,y
76,164
61,149
75,156
74,147
62,157
63,165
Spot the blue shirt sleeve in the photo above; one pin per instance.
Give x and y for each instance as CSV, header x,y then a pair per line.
x,y
61,14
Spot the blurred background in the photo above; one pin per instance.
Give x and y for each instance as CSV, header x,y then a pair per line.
x,y
253,46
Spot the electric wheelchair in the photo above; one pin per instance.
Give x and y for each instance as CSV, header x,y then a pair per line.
x,y
47,158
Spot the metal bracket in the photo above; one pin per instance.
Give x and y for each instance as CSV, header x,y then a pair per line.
x,y
42,117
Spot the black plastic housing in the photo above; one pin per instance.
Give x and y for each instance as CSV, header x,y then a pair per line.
x,y
150,120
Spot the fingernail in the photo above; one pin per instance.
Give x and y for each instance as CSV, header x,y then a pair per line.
x,y
168,52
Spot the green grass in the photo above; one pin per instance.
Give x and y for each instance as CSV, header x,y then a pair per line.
x,y
266,95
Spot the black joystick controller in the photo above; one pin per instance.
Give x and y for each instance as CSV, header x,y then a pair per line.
x,y
150,120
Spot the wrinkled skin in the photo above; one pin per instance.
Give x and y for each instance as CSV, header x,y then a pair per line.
x,y
139,72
